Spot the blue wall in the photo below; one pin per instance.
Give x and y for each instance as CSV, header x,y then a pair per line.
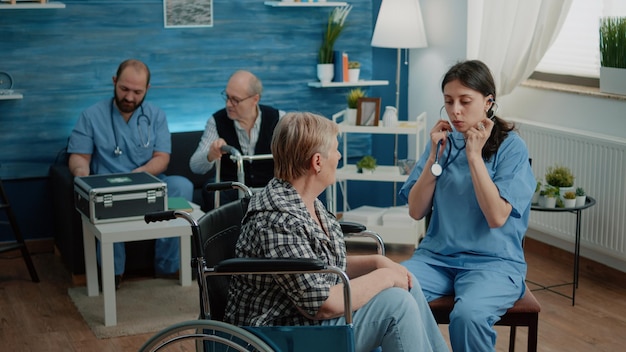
x,y
62,61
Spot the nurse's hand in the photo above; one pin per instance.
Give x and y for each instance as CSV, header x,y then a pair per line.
x,y
477,136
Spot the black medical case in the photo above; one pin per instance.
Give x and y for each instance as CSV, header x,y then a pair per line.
x,y
119,197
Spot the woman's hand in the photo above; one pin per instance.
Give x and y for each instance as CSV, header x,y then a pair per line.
x,y
399,273
477,136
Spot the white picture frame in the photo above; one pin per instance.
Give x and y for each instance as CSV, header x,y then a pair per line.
x,y
187,13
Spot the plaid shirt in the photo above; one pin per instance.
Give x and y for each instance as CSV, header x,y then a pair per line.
x,y
278,225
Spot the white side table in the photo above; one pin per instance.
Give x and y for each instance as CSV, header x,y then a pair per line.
x,y
126,231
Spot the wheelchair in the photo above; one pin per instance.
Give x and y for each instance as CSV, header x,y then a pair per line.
x,y
214,236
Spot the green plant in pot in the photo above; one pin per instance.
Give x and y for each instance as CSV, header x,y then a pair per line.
x,y
581,197
551,195
334,27
613,54
366,164
559,176
353,65
352,99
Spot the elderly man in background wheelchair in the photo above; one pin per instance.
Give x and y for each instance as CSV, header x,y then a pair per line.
x,y
286,220
243,127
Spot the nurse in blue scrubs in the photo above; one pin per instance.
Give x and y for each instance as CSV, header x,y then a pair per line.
x,y
475,182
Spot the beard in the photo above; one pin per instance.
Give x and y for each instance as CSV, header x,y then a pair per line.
x,y
126,106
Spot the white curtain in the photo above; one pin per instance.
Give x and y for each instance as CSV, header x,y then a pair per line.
x,y
512,36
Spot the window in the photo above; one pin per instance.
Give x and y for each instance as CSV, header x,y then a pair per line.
x,y
575,52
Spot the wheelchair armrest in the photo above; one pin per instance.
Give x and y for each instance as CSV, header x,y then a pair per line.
x,y
351,227
354,229
256,265
238,266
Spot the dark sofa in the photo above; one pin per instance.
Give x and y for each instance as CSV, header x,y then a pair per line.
x,y
68,233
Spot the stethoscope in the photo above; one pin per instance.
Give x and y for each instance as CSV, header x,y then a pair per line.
x,y
118,151
436,168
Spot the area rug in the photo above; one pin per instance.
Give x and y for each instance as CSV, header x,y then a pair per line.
x,y
142,306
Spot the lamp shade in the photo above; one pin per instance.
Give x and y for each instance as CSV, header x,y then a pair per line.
x,y
399,25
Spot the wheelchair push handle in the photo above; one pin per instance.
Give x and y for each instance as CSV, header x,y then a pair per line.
x,y
223,186
169,215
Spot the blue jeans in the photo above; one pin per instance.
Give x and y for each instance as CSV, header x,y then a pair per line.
x,y
396,320
166,250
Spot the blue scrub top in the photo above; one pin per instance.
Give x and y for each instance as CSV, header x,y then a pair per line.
x,y
458,235
145,133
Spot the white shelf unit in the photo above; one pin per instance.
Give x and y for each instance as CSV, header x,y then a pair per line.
x,y
383,173
12,96
32,5
348,84
305,4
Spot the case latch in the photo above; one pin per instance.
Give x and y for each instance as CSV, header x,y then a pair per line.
x,y
107,200
152,196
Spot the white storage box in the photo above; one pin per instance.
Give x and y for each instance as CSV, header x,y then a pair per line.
x,y
398,217
366,215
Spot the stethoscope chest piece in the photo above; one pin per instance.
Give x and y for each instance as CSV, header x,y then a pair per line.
x,y
436,168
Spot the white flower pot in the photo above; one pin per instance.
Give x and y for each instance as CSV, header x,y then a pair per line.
x,y
350,117
569,203
535,198
613,80
325,72
580,200
550,202
353,74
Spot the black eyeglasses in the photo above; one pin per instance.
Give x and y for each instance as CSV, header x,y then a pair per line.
x,y
233,100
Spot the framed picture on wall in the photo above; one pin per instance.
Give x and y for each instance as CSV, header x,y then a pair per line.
x,y
187,13
367,111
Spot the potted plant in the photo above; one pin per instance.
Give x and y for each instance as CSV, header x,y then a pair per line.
x,y
581,197
613,55
352,99
561,177
551,193
354,70
334,27
569,199
367,164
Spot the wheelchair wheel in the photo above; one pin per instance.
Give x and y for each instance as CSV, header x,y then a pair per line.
x,y
207,336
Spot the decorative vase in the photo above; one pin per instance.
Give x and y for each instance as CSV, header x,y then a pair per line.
x,y
390,117
353,74
350,117
325,72
580,201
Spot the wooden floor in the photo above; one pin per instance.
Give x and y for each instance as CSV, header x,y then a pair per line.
x,y
41,317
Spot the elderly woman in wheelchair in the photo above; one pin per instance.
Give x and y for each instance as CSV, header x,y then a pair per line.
x,y
287,220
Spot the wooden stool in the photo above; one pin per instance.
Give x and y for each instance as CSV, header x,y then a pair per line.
x,y
525,312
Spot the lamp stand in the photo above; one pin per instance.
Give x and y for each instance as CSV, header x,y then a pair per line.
x,y
395,144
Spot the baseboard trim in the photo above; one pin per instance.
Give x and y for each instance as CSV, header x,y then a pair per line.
x,y
588,268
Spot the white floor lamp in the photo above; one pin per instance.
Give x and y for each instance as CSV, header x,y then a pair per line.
x,y
399,25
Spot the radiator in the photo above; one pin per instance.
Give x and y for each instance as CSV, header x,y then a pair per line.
x,y
598,163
